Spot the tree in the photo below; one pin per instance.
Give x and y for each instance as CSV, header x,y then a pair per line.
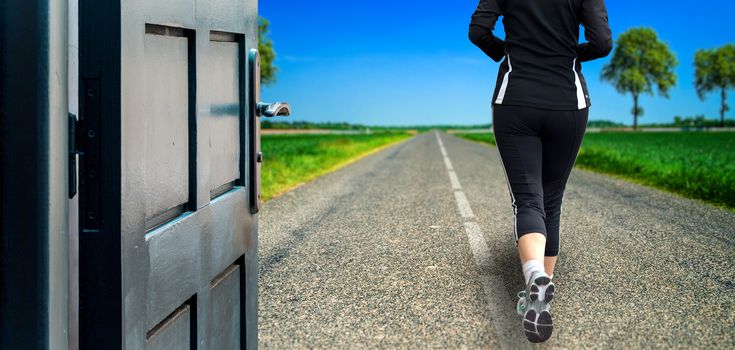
x,y
715,71
268,69
641,62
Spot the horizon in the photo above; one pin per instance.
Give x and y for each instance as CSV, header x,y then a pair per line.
x,y
481,125
399,64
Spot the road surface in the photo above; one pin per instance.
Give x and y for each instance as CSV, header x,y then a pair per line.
x,y
410,248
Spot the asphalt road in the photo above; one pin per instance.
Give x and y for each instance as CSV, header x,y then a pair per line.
x,y
407,249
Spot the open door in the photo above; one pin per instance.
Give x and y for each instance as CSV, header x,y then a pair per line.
x,y
168,175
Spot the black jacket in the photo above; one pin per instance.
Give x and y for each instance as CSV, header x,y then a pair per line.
x,y
542,66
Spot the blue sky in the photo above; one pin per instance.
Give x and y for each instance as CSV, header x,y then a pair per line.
x,y
381,62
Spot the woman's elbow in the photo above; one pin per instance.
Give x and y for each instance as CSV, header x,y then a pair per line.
x,y
476,34
606,48
599,49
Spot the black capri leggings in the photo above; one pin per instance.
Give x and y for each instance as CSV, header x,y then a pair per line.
x,y
538,149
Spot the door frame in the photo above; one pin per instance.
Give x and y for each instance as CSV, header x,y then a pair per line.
x,y
35,191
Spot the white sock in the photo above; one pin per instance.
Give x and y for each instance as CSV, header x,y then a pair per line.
x,y
532,266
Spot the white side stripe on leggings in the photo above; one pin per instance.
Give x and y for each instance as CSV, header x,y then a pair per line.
x,y
512,197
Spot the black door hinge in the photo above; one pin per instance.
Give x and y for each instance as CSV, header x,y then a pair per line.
x,y
72,155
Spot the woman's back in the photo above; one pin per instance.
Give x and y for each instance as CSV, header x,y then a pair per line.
x,y
542,56
540,116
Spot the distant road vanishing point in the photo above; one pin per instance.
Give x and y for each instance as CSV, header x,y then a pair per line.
x,y
412,247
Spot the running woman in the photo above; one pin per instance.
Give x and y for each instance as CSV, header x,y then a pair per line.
x,y
540,109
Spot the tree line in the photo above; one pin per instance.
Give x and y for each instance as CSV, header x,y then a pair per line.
x,y
641,63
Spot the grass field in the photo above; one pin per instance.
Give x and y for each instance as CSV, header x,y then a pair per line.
x,y
289,160
694,164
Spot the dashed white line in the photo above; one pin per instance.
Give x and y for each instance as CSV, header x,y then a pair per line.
x,y
464,206
479,247
448,163
441,144
454,180
492,285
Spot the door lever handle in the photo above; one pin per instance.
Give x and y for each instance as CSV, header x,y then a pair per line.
x,y
277,109
256,109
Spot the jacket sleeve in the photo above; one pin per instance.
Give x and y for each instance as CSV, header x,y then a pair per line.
x,y
481,29
593,15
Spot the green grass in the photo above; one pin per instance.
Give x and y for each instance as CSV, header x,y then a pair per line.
x,y
289,160
694,164
485,137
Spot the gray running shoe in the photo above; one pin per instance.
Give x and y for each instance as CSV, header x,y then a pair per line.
x,y
533,305
521,305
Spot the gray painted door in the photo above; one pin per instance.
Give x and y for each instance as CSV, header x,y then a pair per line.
x,y
179,119
187,234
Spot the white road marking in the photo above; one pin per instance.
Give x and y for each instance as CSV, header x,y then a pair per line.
x,y
463,205
478,245
499,306
441,144
454,180
448,163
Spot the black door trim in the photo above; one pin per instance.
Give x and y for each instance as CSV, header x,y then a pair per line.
x,y
100,265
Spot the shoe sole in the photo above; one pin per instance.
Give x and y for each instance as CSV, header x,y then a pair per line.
x,y
538,326
542,283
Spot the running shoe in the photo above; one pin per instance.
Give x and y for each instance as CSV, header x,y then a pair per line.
x,y
533,305
521,305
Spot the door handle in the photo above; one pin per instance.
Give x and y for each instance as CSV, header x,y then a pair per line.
x,y
277,109
257,108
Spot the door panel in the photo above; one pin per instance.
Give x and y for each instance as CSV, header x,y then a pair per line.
x,y
194,243
186,240
164,124
172,269
174,333
224,102
225,243
225,310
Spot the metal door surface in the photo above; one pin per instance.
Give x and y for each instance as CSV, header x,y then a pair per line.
x,y
168,243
